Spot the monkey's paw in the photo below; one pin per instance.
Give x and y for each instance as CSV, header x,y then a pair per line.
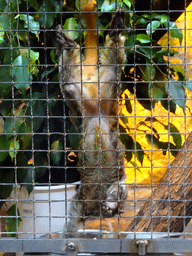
x,y
114,202
117,22
63,41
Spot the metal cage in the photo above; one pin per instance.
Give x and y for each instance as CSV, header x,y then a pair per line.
x,y
57,143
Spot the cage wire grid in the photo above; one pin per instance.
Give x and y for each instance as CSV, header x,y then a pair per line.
x,y
43,147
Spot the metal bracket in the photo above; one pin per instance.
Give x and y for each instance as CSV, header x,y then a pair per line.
x,y
142,244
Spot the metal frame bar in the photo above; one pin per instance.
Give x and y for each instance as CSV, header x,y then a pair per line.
x,y
115,246
133,243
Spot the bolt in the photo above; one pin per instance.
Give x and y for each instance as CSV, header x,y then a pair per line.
x,y
142,244
71,246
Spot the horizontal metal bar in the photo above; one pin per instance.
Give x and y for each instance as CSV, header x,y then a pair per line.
x,y
162,245
99,254
11,245
169,245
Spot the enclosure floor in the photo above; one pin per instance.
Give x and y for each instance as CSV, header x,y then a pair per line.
x,y
136,198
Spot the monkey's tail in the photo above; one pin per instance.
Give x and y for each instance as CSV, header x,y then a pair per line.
x,y
88,8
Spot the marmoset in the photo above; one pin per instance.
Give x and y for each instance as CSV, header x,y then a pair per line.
x,y
91,89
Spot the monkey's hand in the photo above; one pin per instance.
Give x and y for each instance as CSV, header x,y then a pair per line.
x,y
63,41
117,22
114,202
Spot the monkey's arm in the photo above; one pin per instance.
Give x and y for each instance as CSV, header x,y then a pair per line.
x,y
70,71
113,56
114,52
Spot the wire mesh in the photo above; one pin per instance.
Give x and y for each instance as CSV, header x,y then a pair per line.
x,y
95,125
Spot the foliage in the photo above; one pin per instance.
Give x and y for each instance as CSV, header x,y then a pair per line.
x,y
12,222
33,119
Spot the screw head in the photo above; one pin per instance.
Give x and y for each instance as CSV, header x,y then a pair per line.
x,y
71,246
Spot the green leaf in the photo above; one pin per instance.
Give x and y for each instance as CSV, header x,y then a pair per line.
x,y
106,7
47,72
157,92
153,141
163,52
128,3
169,24
100,3
26,138
147,51
77,4
173,149
127,140
179,69
168,105
34,4
72,28
149,73
143,38
174,132
13,221
22,160
5,107
152,26
34,58
2,33
73,137
177,92
189,85
142,21
128,104
37,122
130,41
38,108
14,4
169,146
52,55
12,125
124,119
21,74
176,33
5,79
29,178
10,55
4,147
139,153
3,4
48,12
14,147
146,16
7,21
164,18
32,25
149,119
56,151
